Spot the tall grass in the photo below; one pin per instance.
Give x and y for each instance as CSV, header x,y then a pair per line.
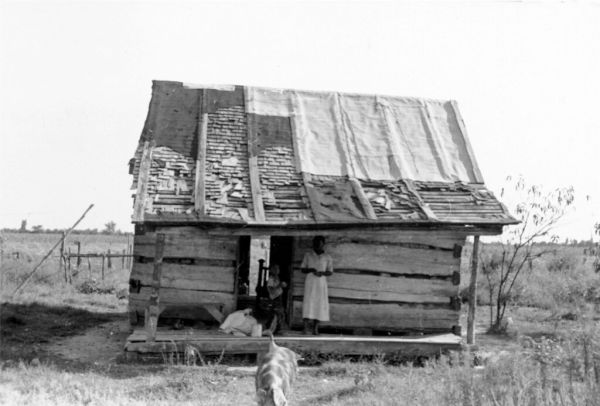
x,y
561,281
543,372
561,368
23,251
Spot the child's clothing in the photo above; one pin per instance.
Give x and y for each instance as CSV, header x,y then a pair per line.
x,y
275,289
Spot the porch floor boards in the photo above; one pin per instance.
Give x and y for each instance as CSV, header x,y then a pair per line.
x,y
214,342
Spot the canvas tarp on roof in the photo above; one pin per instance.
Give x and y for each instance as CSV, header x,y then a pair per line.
x,y
304,157
371,137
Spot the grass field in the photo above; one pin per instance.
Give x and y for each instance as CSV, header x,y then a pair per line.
x,y
62,345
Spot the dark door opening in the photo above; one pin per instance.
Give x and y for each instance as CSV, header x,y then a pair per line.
x,y
282,254
243,266
252,279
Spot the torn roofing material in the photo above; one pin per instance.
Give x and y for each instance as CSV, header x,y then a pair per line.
x,y
290,156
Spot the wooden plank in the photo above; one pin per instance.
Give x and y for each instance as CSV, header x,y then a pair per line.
x,y
473,292
142,182
347,345
257,202
313,198
188,311
215,312
197,245
362,198
165,334
174,296
362,331
394,259
408,349
292,227
383,288
416,239
180,297
468,147
153,309
387,252
182,276
391,317
254,174
422,205
199,185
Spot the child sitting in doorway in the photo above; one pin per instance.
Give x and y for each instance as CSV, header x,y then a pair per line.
x,y
275,288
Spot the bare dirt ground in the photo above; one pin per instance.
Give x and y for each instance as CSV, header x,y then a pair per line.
x,y
98,345
69,337
77,337
61,355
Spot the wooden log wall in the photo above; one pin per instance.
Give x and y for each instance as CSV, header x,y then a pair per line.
x,y
197,268
402,281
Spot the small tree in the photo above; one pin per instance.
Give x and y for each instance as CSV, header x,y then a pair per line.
x,y
37,229
538,213
110,228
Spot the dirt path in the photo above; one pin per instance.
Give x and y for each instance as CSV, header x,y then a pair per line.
x,y
99,345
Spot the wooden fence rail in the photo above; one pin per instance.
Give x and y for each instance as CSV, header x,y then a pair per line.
x,y
98,255
107,261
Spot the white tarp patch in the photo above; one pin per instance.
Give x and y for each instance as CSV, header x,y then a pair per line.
x,y
227,88
370,137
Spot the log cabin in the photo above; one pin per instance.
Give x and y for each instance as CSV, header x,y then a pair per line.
x,y
391,182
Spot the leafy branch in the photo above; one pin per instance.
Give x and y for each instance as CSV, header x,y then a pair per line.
x,y
538,212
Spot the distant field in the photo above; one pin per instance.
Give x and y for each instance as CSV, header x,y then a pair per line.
x,y
62,344
39,243
23,251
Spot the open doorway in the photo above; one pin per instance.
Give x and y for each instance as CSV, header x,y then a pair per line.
x,y
256,255
282,255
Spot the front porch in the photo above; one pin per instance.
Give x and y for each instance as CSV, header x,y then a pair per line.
x,y
208,342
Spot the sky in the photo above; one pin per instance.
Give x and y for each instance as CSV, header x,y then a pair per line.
x,y
75,82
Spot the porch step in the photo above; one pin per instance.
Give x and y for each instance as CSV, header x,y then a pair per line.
x,y
214,342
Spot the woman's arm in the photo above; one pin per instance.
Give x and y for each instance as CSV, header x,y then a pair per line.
x,y
304,266
329,269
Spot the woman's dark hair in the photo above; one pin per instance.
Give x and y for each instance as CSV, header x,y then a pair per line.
x,y
319,238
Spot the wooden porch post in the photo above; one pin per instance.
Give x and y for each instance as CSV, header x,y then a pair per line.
x,y
473,292
199,186
152,311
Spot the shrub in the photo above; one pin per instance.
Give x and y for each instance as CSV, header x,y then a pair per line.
x,y
93,286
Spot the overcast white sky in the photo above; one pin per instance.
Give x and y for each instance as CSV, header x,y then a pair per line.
x,y
75,84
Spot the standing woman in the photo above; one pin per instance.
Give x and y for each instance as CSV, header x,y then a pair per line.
x,y
317,265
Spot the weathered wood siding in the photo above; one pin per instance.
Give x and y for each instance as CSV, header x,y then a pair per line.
x,y
197,268
396,281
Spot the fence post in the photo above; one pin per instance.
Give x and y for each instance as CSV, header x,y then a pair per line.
x,y
69,271
109,260
64,260
61,258
78,243
123,260
103,257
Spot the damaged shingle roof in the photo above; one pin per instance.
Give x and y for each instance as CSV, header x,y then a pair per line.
x,y
281,156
